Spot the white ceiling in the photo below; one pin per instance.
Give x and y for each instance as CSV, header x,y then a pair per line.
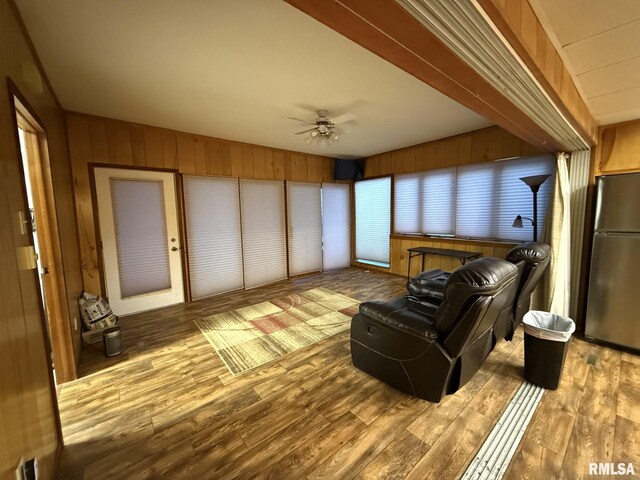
x,y
599,42
232,69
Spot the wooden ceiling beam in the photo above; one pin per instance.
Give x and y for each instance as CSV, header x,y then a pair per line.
x,y
389,31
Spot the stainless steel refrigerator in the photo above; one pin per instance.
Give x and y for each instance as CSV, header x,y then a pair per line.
x,y
613,308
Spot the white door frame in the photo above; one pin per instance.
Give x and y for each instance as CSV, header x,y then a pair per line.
x,y
147,301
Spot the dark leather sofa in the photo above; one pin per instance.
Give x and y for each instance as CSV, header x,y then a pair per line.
x,y
429,351
531,259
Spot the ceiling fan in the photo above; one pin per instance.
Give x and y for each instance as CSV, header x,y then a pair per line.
x,y
324,128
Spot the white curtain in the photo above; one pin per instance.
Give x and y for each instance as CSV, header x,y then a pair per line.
x,y
579,180
553,292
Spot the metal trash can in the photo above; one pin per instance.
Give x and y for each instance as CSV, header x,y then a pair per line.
x,y
112,340
546,342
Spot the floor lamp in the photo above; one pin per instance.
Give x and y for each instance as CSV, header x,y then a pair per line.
x,y
534,183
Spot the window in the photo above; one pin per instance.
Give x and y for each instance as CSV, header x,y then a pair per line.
x,y
263,232
479,201
336,226
424,202
212,213
491,195
407,194
304,227
373,218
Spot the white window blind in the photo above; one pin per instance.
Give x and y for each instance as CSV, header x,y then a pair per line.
x,y
336,226
212,213
407,191
515,197
424,202
438,202
141,236
475,205
304,227
490,196
373,217
263,232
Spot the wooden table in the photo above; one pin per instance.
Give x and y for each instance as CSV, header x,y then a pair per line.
x,y
444,252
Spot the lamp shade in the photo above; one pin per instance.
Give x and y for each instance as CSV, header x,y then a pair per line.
x,y
534,181
517,223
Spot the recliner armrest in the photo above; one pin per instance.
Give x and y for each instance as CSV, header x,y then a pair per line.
x,y
430,283
396,314
425,306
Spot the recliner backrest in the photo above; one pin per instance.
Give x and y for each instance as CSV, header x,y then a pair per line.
x,y
474,296
536,257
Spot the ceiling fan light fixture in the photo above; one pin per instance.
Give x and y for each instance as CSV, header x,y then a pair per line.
x,y
324,129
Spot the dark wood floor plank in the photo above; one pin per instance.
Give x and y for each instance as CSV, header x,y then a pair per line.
x,y
395,461
358,452
306,456
452,452
533,462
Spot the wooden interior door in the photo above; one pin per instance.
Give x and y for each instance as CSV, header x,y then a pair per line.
x,y
140,239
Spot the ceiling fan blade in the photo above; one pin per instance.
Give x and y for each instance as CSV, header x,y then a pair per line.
x,y
344,118
304,131
301,120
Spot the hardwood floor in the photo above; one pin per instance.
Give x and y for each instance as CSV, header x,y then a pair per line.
x,y
169,408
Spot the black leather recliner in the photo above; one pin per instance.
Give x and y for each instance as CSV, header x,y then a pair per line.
x,y
531,259
429,351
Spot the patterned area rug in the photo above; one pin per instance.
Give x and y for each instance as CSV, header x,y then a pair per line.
x,y
251,336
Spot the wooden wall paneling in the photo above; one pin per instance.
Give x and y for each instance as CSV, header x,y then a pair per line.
x,y
80,151
169,151
247,162
268,165
99,145
214,157
111,133
226,159
299,168
236,160
259,167
138,149
105,141
482,145
153,146
410,160
279,168
200,156
314,169
28,410
442,152
186,154
619,149
124,151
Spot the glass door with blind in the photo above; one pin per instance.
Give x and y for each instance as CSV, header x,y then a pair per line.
x,y
142,256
